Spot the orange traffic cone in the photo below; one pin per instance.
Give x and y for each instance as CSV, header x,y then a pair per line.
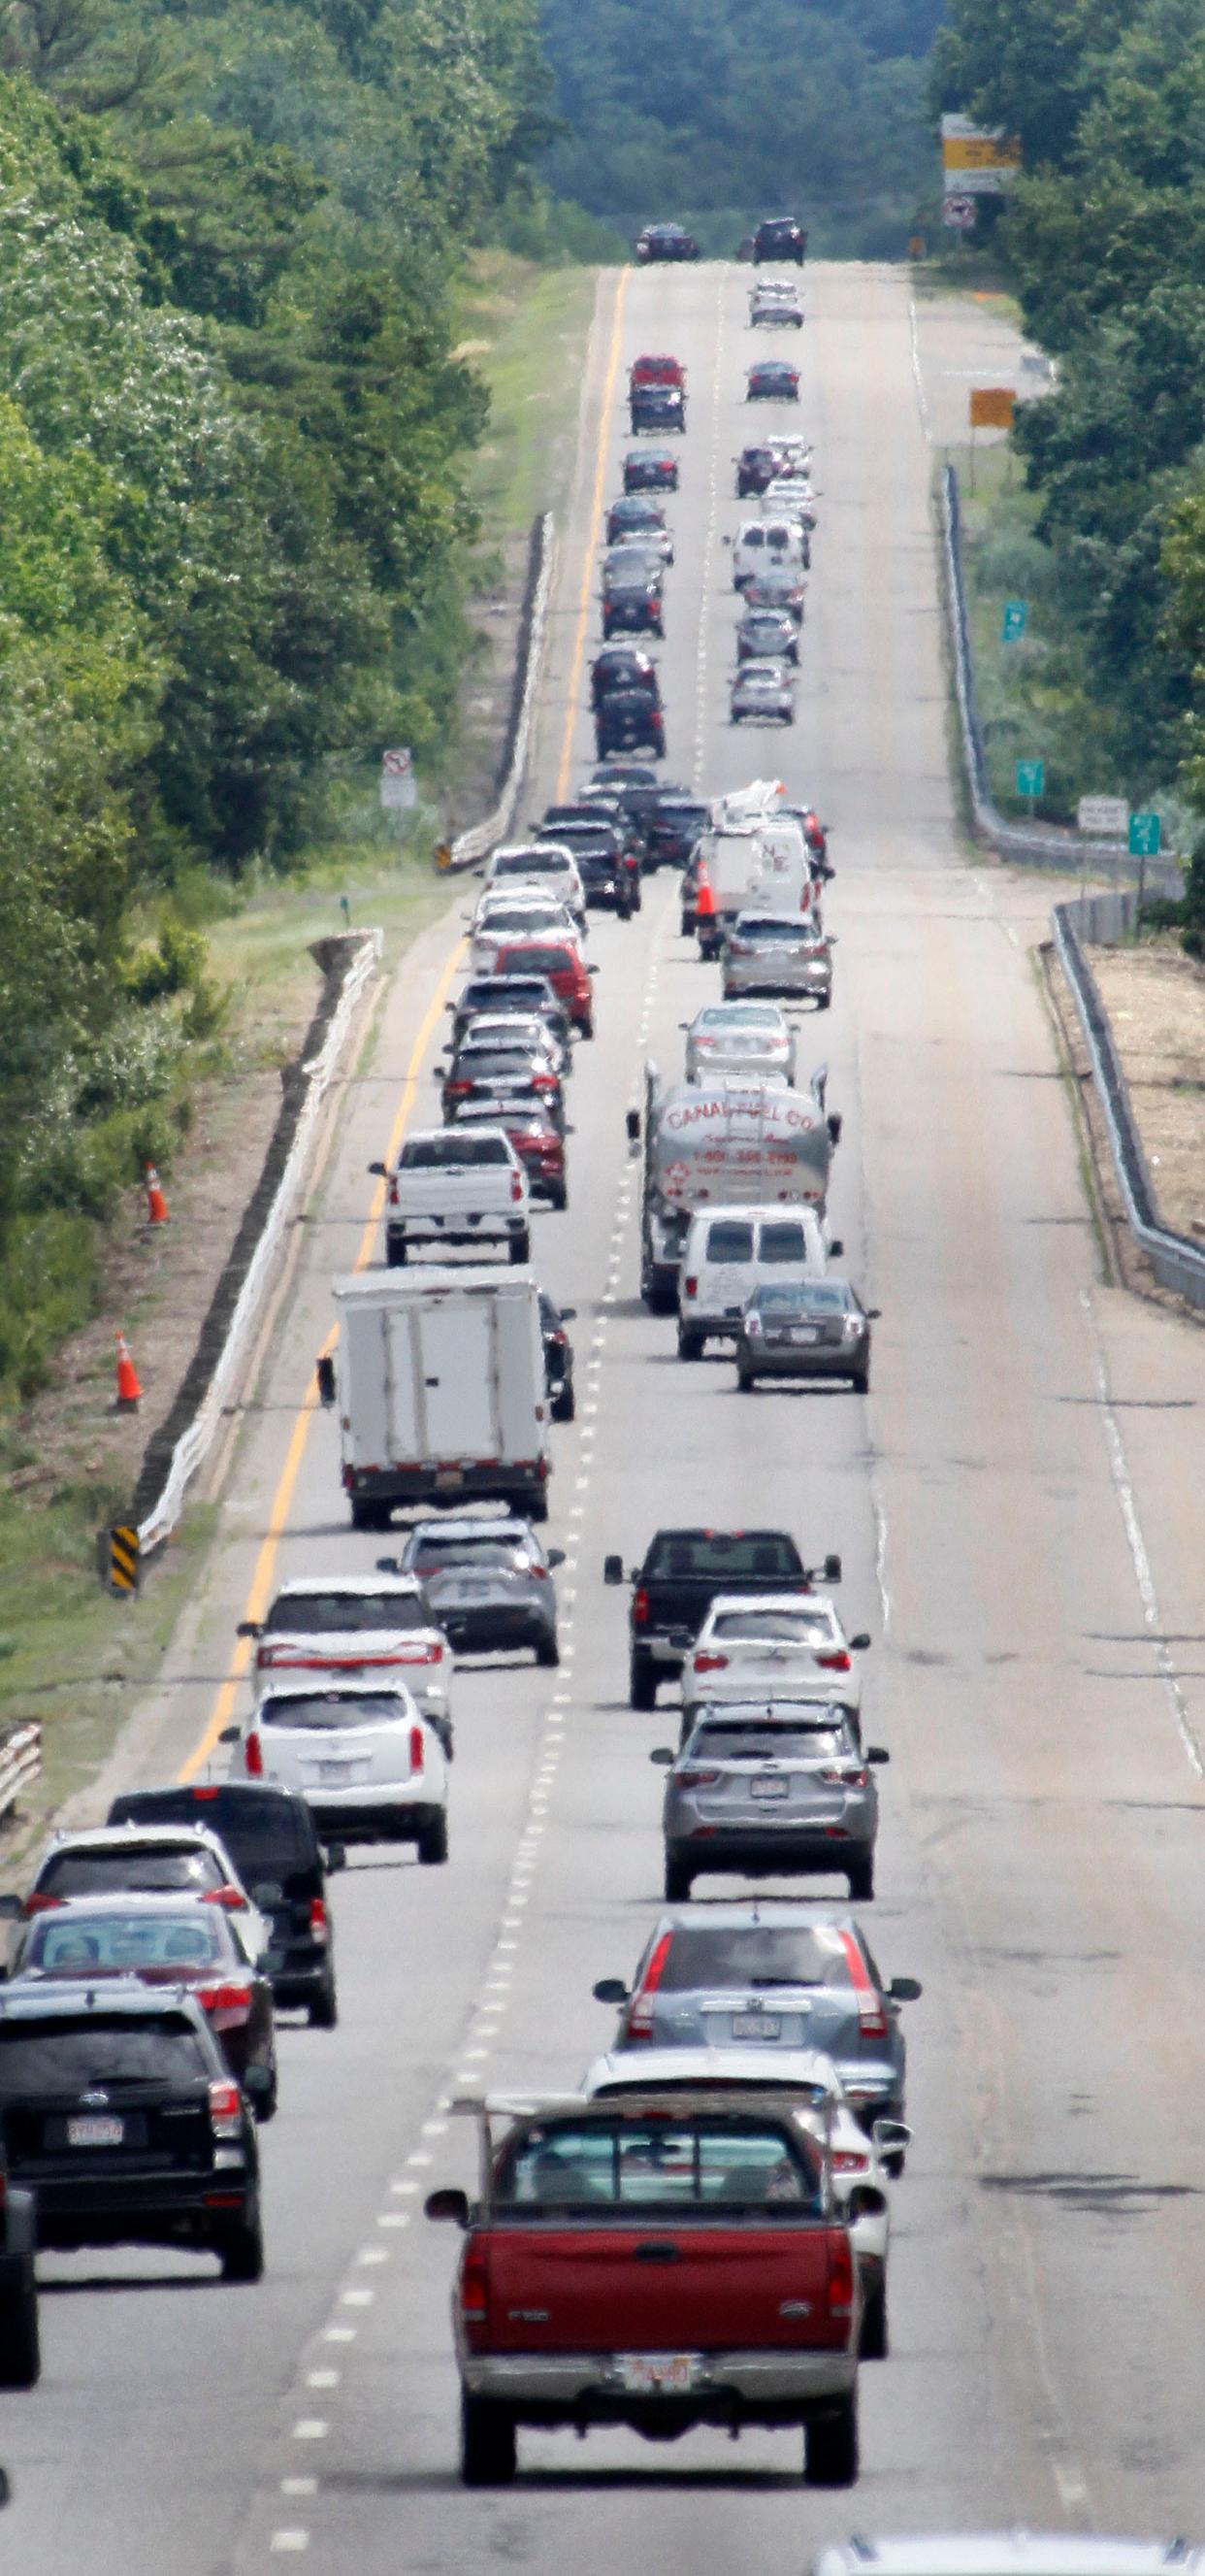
x,y
129,1393
156,1204
704,907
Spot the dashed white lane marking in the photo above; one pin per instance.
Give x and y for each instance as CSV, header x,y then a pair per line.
x,y
370,2254
393,2218
1123,1488
358,2298
294,2539
323,2378
299,2486
339,2334
1071,2487
311,2428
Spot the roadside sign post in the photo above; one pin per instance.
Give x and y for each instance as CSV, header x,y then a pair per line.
x,y
120,1560
989,407
1031,779
1145,837
399,786
1014,621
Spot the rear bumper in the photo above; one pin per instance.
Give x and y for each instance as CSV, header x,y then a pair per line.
x,y
794,1847
734,2388
379,1816
795,983
140,2208
485,1632
804,1361
444,1485
494,1226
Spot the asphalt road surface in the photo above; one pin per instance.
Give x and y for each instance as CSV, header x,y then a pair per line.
x,y
1015,1510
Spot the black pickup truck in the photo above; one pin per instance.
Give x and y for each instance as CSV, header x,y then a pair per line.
x,y
683,1570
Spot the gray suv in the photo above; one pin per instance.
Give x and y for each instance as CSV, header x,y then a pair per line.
x,y
779,1975
768,1791
487,1583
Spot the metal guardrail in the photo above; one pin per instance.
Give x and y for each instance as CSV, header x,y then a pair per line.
x,y
470,846
1047,845
20,1760
1178,1264
195,1441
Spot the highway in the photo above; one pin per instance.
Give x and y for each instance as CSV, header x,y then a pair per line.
x,y
1014,1506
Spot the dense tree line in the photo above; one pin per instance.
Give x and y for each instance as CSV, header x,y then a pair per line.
x,y
1106,239
232,520
716,114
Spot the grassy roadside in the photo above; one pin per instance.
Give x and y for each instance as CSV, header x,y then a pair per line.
x,y
68,1655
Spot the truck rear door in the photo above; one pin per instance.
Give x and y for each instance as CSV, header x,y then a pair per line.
x,y
455,1356
664,2286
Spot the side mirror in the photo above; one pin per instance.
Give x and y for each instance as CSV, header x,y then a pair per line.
x,y
377,1170
591,970
250,1628
902,1990
336,1857
12,1909
611,1990
663,1757
568,1313
836,1247
858,1645
632,1123
834,1127
325,1373
891,2137
877,1753
832,1569
866,2202
612,1569
727,541
556,1556
451,2206
873,1313
389,1565
230,1735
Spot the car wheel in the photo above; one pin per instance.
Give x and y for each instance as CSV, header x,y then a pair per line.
x,y
688,925
395,1252
690,1345
433,1842
861,1382
369,1516
874,2342
20,2339
266,2107
823,1000
642,1684
520,1248
564,1405
323,2008
830,2446
746,1381
679,1880
548,1651
240,2246
488,2448
535,1508
559,1199
861,1879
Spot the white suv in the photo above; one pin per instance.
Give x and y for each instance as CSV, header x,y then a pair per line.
x,y
368,1766
372,1626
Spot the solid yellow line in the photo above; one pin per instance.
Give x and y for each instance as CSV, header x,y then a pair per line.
x,y
260,1592
596,512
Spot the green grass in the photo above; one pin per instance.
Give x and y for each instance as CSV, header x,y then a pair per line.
x,y
525,330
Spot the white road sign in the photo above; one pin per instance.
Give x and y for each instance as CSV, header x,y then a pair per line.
x,y
399,787
1106,817
958,212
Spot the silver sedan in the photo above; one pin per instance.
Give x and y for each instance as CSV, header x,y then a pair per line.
x,y
739,1037
813,1328
777,953
764,691
770,1792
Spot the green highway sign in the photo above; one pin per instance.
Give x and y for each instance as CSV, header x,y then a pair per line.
x,y
1031,778
1012,628
1146,832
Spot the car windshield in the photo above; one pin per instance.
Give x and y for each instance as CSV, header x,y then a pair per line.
x,y
660,2164
313,1614
783,1627
95,1873
331,1712
806,1297
747,1740
67,2055
127,1941
727,1241
437,1153
718,1553
754,1954
474,1556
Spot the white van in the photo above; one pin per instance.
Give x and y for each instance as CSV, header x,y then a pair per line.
x,y
762,544
730,1252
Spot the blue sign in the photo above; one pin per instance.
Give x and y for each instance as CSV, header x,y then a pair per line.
x,y
1016,612
1031,777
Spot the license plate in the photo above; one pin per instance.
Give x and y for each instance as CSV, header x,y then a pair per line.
x,y
756,2025
334,1771
768,1788
468,1592
803,1333
655,2374
447,1478
95,2133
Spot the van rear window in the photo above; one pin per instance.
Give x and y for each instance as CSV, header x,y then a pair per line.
x,y
729,1242
782,1242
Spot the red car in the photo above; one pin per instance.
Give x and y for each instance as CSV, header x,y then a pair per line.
x,y
656,371
538,1144
565,968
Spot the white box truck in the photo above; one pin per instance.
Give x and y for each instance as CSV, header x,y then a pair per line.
x,y
438,1377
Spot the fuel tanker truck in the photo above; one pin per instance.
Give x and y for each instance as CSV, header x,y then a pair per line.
x,y
727,1143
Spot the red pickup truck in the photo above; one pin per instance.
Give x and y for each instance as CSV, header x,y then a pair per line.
x,y
661,2261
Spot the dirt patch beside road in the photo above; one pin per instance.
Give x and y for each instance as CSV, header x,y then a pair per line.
x,y
1155,999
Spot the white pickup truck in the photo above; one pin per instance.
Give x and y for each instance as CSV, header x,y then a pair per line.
x,y
453,1187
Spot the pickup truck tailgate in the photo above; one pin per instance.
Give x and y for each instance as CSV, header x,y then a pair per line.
x,y
616,2289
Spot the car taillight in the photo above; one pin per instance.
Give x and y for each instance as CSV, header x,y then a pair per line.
x,y
872,2019
516,1187
320,1930
835,1663
418,1655
225,2110
844,1779
253,1757
708,1663
840,2273
226,2002
690,1287
474,2285
752,1328
231,1899
846,2161
640,2010
640,1608
38,1904
417,1752
696,1779
393,1190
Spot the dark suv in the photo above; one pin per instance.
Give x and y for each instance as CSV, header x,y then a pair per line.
x,y
269,1834
118,2111
780,237
20,2352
